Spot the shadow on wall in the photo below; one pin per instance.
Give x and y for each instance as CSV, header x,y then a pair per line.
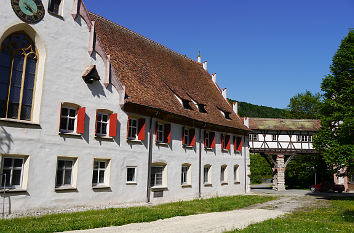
x,y
5,141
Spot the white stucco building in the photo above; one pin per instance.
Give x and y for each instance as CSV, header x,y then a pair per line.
x,y
92,113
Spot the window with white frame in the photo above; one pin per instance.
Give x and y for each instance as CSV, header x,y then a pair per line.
x,y
274,137
68,119
64,172
185,174
254,137
236,174
223,175
160,133
186,136
99,173
133,128
102,124
12,170
131,174
207,179
304,138
156,176
56,7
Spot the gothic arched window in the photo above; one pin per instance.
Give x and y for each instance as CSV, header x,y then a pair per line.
x,y
18,65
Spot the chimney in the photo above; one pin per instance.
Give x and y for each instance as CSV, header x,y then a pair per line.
x,y
213,77
235,107
224,93
205,65
246,121
199,58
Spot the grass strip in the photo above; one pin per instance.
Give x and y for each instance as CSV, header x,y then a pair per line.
x,y
121,216
337,217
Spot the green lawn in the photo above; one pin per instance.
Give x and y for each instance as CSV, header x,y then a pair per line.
x,y
338,216
121,216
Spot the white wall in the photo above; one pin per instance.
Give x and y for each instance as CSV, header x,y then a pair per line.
x,y
64,44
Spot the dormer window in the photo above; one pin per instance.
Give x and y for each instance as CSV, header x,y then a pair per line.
x,y
185,103
225,114
201,108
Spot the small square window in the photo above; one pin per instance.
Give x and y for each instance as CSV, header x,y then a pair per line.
x,y
133,129
64,173
56,7
131,174
157,176
185,176
102,124
223,174
99,173
68,119
160,133
12,172
206,176
274,137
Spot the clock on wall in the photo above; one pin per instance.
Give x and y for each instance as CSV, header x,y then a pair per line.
x,y
29,11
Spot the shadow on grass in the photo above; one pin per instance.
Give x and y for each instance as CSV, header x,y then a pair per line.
x,y
348,216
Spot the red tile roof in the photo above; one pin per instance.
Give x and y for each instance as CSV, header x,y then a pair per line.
x,y
153,74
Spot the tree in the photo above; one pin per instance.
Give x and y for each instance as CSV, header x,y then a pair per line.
x,y
335,139
304,106
260,169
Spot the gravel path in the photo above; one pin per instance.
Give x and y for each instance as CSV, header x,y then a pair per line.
x,y
215,222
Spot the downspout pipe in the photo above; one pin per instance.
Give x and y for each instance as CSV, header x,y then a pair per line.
x,y
245,161
200,164
148,188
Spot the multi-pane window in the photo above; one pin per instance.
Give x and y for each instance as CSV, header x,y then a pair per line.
x,y
253,137
184,174
67,119
209,139
304,138
274,137
222,174
236,174
55,6
133,128
131,174
18,65
99,172
225,141
102,124
156,175
64,172
186,137
12,169
160,133
206,175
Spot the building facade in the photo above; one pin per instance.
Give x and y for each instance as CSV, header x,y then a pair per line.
x,y
92,113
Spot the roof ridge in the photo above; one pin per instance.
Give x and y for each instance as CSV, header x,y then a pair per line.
x,y
284,119
145,38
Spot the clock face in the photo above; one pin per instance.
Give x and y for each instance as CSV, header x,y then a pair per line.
x,y
29,11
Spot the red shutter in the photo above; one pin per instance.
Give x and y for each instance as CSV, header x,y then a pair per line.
x,y
113,124
205,145
141,129
61,106
183,140
222,141
212,137
234,142
128,127
167,133
96,122
192,137
156,126
228,142
239,148
81,120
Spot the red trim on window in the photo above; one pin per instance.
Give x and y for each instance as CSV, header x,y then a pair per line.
x,y
205,145
183,139
222,140
61,106
167,133
141,129
192,137
228,142
128,127
239,147
96,122
234,143
81,120
113,124
212,136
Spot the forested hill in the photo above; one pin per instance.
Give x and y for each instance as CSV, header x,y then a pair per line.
x,y
252,110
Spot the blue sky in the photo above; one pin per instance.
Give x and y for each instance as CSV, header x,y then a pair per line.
x,y
264,52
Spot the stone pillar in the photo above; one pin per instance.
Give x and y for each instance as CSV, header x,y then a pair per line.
x,y
279,174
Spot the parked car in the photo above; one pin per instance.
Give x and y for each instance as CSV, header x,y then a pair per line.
x,y
325,187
